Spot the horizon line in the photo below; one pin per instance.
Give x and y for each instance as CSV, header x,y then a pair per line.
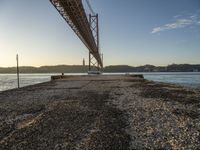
x,y
103,67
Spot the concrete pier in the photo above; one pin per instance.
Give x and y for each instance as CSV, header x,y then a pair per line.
x,y
100,112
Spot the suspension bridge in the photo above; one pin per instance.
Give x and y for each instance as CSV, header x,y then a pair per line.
x,y
85,27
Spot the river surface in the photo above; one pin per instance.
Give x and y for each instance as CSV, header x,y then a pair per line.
x,y
189,79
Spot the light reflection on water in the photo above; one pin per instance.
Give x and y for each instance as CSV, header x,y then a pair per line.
x,y
190,79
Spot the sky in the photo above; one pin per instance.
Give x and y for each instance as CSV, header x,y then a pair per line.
x,y
132,32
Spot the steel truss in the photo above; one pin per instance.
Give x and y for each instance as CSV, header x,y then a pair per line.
x,y
74,14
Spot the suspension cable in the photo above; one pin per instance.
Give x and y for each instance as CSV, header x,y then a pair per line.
x,y
90,7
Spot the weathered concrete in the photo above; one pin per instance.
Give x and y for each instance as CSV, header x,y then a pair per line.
x,y
100,112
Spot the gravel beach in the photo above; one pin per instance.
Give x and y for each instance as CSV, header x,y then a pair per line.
x,y
100,112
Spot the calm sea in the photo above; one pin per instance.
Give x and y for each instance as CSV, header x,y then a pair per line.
x,y
190,79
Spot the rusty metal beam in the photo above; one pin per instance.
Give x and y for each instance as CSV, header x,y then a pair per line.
x,y
74,14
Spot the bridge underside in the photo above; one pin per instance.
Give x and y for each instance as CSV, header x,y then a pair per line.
x,y
74,14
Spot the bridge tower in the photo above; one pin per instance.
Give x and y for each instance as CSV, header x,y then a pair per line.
x,y
94,25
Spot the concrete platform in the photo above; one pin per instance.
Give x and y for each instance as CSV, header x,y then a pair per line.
x,y
100,112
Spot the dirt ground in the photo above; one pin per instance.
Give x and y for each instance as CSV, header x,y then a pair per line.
x,y
100,112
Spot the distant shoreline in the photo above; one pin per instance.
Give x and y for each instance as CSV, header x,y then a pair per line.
x,y
107,69
161,73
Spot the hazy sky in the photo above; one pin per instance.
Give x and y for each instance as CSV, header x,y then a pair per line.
x,y
133,32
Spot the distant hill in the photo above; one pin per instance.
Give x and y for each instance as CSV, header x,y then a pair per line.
x,y
47,69
151,68
116,68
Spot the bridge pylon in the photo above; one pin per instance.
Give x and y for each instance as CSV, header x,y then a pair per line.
x,y
94,26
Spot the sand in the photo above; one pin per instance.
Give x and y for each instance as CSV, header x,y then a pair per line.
x,y
100,112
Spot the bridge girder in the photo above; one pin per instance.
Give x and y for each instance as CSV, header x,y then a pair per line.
x,y
74,14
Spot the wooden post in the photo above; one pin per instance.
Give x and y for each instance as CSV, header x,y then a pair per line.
x,y
17,70
89,61
102,60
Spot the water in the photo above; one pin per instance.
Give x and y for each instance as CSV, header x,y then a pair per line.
x,y
189,79
9,81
